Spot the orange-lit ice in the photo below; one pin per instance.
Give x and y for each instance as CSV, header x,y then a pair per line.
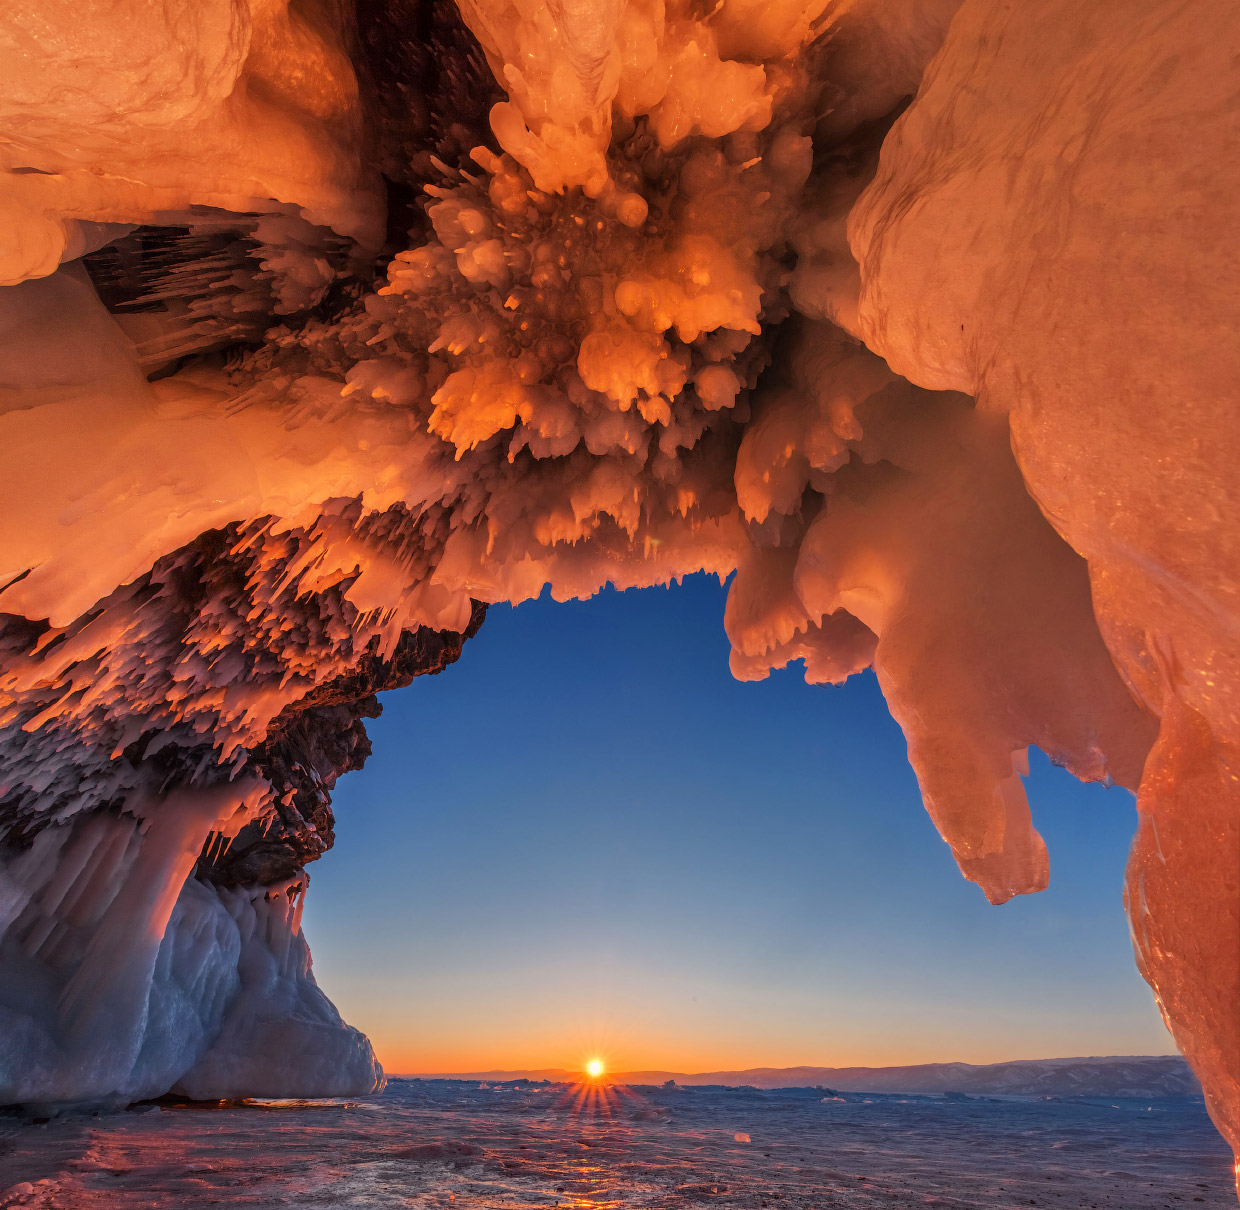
x,y
947,384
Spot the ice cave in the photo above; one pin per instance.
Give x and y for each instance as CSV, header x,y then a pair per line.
x,y
327,323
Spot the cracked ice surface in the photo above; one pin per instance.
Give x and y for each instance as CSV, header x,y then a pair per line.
x,y
444,1143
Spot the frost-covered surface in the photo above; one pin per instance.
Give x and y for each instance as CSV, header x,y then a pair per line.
x,y
436,1144
643,262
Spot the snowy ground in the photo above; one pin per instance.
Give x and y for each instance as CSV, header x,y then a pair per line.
x,y
448,1143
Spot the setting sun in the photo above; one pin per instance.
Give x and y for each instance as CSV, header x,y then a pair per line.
x,y
594,1068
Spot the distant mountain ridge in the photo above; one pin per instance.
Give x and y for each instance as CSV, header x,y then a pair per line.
x,y
1106,1076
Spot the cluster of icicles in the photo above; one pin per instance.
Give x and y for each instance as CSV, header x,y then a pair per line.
x,y
651,326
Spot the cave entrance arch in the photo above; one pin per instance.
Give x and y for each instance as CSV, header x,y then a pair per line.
x,y
990,254
586,834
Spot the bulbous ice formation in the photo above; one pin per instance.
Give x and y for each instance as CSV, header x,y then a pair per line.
x,y
1089,303
100,105
939,377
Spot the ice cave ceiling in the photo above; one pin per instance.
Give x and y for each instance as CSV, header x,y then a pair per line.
x,y
327,322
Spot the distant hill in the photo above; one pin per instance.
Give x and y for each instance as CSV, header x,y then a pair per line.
x,y
1109,1076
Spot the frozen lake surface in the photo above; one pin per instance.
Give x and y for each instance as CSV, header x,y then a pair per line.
x,y
442,1144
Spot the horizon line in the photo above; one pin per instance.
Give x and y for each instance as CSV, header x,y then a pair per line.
x,y
461,1073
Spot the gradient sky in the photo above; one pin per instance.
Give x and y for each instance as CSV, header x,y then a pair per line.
x,y
586,836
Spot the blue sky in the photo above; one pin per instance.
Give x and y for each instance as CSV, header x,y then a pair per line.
x,y
586,836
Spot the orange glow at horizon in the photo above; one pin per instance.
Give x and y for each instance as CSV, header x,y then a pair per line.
x,y
502,1048
508,1054
594,1068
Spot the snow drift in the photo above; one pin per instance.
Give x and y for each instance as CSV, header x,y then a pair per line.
x,y
918,317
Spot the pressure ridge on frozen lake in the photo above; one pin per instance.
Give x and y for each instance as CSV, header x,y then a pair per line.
x,y
447,1143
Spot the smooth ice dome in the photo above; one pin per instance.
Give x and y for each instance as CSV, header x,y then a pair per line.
x,y
326,325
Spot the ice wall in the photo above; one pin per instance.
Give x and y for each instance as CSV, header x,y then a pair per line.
x,y
1043,239
279,1035
126,978
914,315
